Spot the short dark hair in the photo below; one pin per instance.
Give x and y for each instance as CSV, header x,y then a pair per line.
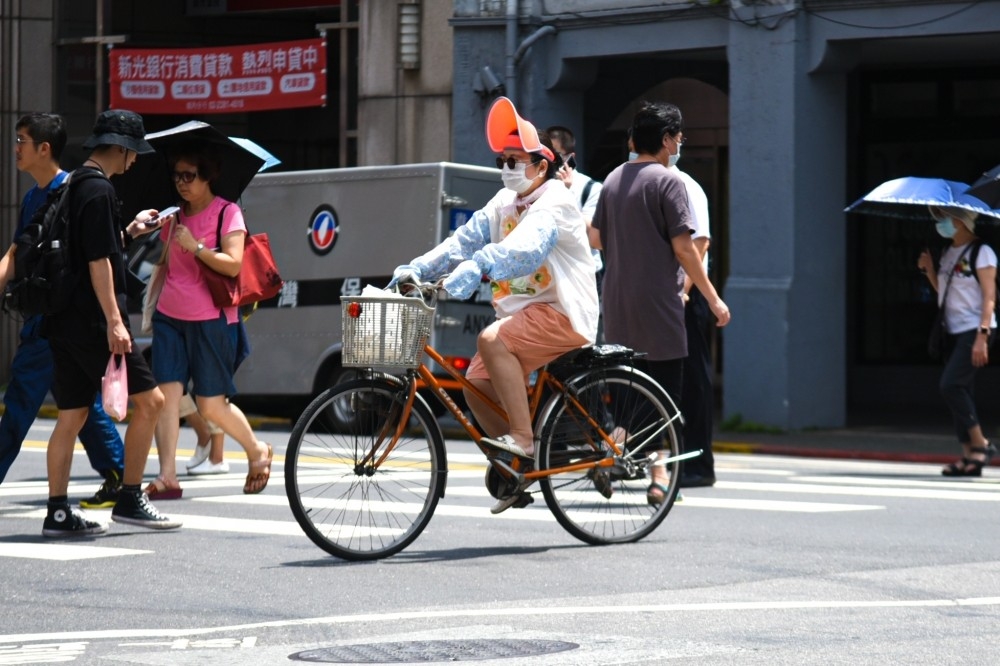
x,y
554,165
564,136
205,158
651,122
47,128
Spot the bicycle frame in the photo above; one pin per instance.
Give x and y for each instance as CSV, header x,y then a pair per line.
x,y
545,379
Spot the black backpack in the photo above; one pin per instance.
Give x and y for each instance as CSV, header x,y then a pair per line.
x,y
44,274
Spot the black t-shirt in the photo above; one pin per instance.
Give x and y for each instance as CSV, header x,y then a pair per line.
x,y
95,233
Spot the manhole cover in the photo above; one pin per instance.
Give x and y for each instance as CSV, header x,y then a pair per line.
x,y
413,652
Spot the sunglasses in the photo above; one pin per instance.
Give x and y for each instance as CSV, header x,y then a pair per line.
x,y
510,162
185,176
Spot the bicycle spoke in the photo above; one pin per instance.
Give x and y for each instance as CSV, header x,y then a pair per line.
x,y
356,491
607,504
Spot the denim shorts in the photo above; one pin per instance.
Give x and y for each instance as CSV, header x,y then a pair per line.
x,y
203,352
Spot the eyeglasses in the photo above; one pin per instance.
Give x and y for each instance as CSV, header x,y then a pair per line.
x,y
678,139
185,176
510,162
21,140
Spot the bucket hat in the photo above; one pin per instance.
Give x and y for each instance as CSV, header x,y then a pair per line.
x,y
119,127
967,217
505,128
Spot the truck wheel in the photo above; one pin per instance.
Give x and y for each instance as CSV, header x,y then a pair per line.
x,y
340,420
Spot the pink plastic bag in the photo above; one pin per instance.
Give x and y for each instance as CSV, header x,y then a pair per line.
x,y
114,388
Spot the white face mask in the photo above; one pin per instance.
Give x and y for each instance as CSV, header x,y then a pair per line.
x,y
674,158
944,227
633,156
514,179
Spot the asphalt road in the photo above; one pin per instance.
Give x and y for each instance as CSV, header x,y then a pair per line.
x,y
785,561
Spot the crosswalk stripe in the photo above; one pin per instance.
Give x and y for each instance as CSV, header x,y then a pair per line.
x,y
63,552
975,485
819,489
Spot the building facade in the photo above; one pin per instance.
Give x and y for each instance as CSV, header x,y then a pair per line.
x,y
793,110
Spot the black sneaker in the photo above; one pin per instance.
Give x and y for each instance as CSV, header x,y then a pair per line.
x,y
107,494
62,522
136,509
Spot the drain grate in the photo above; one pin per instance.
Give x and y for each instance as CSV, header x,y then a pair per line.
x,y
414,652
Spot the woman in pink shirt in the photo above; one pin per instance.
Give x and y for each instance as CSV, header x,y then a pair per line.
x,y
194,340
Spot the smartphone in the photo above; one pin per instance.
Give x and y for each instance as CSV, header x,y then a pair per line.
x,y
164,214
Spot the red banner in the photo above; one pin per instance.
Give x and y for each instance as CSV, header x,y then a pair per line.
x,y
256,77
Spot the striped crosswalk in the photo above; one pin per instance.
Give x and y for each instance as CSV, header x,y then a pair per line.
x,y
745,484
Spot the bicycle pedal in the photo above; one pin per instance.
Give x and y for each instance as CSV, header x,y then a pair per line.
x,y
514,469
523,500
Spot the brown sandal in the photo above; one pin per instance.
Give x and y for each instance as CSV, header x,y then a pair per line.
x,y
259,474
159,490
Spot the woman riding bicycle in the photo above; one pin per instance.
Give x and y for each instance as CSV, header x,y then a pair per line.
x,y
531,242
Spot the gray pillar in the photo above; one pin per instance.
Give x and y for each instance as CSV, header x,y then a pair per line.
x,y
785,351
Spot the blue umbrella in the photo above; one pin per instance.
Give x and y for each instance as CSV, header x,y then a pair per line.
x,y
909,197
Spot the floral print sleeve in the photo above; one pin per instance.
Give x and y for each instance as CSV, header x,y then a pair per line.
x,y
523,248
458,247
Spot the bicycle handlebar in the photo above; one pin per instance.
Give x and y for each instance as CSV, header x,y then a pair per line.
x,y
426,291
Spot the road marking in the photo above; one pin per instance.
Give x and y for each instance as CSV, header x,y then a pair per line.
x,y
63,552
773,505
819,489
491,613
975,485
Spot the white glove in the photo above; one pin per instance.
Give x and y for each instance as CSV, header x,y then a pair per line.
x,y
464,280
407,273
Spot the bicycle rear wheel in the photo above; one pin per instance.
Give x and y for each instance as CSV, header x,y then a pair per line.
x,y
348,500
608,504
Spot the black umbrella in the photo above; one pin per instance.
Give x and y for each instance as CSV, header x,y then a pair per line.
x,y
987,188
148,183
239,165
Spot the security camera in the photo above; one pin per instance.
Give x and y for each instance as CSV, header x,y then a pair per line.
x,y
487,84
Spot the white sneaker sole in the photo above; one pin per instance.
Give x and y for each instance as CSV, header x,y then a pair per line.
x,y
208,469
73,534
149,524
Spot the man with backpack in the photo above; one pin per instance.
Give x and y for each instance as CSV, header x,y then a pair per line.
x,y
41,138
93,326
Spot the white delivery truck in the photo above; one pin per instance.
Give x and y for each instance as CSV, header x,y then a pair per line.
x,y
332,232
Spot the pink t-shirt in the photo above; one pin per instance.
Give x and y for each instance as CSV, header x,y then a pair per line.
x,y
185,295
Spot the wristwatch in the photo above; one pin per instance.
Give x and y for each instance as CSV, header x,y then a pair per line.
x,y
201,246
985,330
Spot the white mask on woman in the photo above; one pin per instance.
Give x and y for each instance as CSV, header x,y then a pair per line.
x,y
514,179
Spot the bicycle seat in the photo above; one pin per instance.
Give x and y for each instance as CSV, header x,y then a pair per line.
x,y
587,357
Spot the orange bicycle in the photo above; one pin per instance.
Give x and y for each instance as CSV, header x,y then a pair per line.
x,y
366,461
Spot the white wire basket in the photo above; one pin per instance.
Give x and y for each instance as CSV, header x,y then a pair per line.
x,y
384,332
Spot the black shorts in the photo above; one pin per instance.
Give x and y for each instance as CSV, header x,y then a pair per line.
x,y
80,365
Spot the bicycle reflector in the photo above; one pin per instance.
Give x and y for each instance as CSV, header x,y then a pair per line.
x,y
354,310
460,363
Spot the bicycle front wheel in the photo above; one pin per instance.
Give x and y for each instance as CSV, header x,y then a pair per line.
x,y
608,504
354,491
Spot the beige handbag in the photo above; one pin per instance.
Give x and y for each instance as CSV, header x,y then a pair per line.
x,y
153,289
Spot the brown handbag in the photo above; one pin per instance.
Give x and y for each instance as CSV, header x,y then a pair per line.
x,y
258,279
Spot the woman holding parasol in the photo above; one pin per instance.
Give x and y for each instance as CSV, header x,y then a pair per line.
x,y
193,339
